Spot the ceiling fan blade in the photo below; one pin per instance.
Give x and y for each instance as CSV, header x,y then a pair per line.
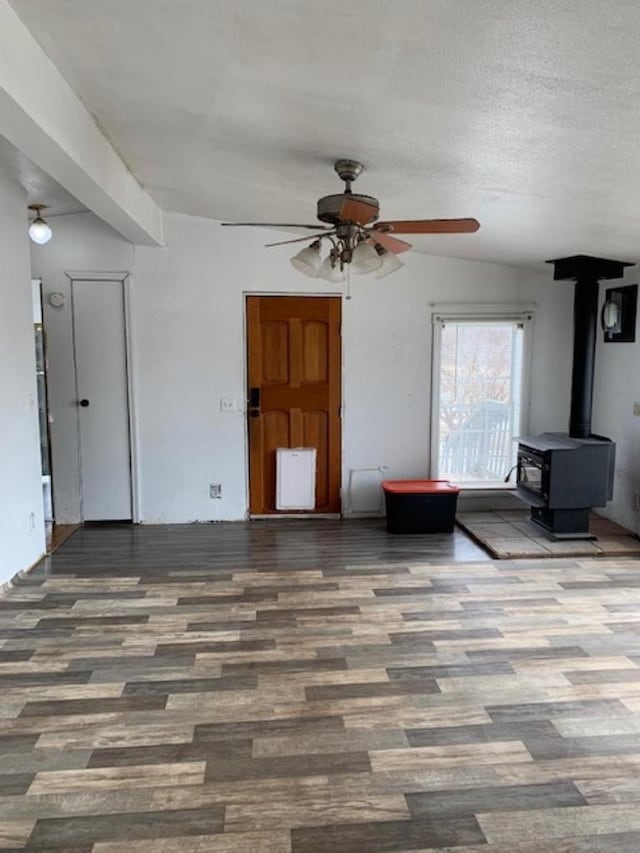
x,y
429,226
391,244
274,225
299,239
358,211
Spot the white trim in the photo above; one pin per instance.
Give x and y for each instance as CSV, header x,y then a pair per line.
x,y
132,389
97,275
487,489
527,370
245,371
510,312
434,420
276,516
76,395
126,280
295,293
442,318
245,414
474,308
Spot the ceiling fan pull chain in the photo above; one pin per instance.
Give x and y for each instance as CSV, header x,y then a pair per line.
x,y
348,293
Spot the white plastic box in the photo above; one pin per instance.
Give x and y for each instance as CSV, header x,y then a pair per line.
x,y
296,478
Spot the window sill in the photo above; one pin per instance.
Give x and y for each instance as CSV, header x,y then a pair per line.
x,y
478,490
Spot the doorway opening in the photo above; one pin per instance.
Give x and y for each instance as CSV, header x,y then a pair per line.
x,y
85,399
55,533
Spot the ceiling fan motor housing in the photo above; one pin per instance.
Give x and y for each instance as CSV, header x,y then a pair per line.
x,y
329,207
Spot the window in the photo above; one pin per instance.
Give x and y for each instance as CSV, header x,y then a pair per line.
x,y
478,400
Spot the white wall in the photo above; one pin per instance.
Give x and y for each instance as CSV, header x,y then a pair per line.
x,y
617,387
22,540
80,242
188,314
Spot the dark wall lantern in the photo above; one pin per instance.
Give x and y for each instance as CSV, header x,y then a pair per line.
x,y
618,318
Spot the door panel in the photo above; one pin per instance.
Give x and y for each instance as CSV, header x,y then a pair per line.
x,y
315,428
101,370
275,353
276,433
315,353
294,358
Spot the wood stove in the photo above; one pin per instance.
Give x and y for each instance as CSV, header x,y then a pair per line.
x,y
562,476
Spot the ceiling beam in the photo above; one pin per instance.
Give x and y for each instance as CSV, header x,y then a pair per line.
x,y
42,117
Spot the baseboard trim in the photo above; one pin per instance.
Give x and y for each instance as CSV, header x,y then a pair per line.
x,y
23,573
305,515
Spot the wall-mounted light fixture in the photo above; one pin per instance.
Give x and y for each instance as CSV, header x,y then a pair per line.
x,y
39,230
618,317
611,316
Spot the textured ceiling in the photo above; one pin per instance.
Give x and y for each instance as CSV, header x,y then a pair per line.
x,y
39,187
522,113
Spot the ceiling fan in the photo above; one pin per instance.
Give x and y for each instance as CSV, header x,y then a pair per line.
x,y
359,242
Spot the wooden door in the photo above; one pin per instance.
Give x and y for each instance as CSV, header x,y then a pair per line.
x,y
294,392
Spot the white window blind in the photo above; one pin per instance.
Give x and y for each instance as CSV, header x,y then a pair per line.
x,y
479,391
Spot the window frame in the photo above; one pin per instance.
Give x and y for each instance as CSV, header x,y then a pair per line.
x,y
441,315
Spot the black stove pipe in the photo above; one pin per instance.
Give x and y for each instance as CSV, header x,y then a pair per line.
x,y
586,271
585,324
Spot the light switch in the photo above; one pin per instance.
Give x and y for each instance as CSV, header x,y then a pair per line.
x,y
227,404
636,409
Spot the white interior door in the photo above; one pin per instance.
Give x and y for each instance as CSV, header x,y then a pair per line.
x,y
103,407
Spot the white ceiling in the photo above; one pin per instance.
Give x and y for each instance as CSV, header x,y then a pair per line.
x,y
39,187
522,113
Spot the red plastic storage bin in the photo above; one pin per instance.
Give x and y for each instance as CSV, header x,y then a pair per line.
x,y
420,506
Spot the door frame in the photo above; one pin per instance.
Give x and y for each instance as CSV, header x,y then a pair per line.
x,y
126,280
38,279
245,375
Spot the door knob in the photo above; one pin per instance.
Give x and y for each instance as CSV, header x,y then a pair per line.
x,y
84,403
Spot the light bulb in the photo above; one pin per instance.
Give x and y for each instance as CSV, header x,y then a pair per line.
x,y
390,263
365,259
307,260
39,230
331,273
610,315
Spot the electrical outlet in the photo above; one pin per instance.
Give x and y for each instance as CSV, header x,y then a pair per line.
x,y
227,404
32,521
215,490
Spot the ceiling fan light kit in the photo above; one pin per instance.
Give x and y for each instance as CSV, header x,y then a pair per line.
x,y
331,271
390,263
359,243
365,259
308,260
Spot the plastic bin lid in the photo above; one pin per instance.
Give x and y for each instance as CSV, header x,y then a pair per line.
x,y
419,487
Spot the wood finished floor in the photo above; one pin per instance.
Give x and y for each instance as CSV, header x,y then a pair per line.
x,y
317,687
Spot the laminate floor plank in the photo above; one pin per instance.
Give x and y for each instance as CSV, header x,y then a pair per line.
x,y
308,686
127,826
